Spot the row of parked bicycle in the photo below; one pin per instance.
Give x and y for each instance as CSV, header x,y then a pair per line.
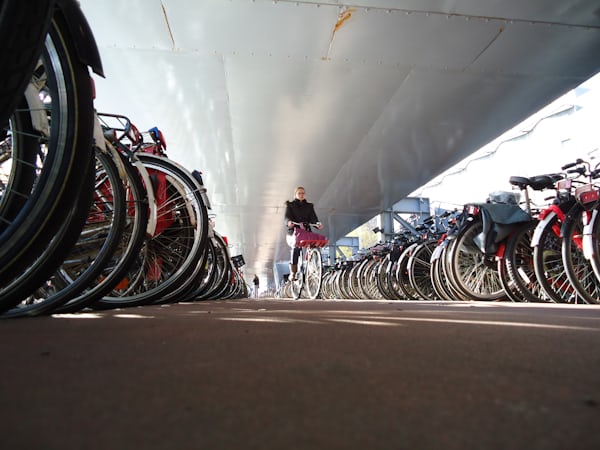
x,y
503,249
146,236
92,212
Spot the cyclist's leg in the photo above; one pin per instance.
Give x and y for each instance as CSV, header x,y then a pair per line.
x,y
294,262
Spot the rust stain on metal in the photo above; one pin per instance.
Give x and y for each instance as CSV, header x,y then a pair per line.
x,y
343,17
168,24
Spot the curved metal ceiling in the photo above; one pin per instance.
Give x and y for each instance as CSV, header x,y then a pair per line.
x,y
361,102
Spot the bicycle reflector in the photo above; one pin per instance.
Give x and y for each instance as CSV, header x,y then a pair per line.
x,y
587,195
564,185
472,210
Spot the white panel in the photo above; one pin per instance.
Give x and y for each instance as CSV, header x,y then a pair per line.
x,y
136,24
264,28
412,40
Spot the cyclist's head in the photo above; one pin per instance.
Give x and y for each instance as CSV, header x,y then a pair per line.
x,y
299,193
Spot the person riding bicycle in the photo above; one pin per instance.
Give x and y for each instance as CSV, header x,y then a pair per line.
x,y
300,211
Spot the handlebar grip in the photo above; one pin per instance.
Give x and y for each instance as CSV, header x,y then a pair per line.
x,y
577,161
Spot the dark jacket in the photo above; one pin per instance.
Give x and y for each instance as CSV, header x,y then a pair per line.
x,y
299,211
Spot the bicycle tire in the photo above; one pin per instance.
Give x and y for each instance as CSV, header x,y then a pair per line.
x,y
93,248
67,149
419,270
51,256
402,273
171,260
473,273
438,274
594,243
221,262
548,263
314,273
520,264
578,268
210,277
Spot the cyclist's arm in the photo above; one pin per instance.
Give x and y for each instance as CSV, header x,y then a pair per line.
x,y
289,217
314,219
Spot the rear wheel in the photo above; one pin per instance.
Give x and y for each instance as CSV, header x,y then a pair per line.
x,y
419,270
45,150
172,259
548,264
579,270
520,265
474,273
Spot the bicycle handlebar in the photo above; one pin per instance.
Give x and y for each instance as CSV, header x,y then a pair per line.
x,y
569,165
305,223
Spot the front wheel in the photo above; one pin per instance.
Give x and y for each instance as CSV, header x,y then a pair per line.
x,y
314,273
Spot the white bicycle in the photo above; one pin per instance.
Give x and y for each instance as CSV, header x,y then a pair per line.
x,y
310,264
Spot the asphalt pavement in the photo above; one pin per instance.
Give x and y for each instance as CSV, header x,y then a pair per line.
x,y
283,374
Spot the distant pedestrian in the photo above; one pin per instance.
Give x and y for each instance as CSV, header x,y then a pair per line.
x,y
256,283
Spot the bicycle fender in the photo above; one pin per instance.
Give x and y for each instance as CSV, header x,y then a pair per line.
x,y
83,37
37,112
588,241
535,240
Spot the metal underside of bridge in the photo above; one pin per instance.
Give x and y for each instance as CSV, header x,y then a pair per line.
x,y
361,102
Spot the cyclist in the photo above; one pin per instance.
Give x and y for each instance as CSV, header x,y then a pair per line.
x,y
300,211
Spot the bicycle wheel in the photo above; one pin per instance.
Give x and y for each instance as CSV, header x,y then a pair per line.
x,y
594,242
128,246
402,275
507,282
172,259
438,273
221,263
383,278
519,262
474,273
95,245
210,277
548,263
578,268
314,273
14,294
42,159
419,270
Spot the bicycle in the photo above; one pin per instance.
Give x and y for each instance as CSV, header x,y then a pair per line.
x,y
45,132
310,267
